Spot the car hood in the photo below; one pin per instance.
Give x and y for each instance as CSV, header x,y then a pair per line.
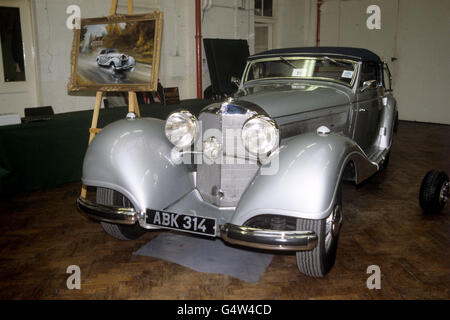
x,y
284,99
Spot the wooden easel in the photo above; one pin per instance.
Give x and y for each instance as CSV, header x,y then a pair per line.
x,y
133,105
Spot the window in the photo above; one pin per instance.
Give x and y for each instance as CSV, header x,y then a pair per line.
x,y
264,8
12,48
369,71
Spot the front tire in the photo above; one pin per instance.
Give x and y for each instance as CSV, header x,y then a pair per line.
x,y
319,261
122,232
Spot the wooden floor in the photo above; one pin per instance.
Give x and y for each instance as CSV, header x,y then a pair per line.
x,y
42,233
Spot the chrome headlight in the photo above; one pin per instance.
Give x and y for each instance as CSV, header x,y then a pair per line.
x,y
181,127
260,135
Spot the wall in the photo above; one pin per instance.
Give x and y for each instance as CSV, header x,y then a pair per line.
x,y
423,66
220,19
178,43
414,32
54,43
223,19
290,29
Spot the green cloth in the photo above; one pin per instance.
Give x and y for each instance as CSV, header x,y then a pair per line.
x,y
49,153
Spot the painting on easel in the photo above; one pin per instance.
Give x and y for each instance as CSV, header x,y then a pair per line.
x,y
117,53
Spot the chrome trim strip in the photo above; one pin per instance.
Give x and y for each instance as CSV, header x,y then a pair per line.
x,y
107,213
269,239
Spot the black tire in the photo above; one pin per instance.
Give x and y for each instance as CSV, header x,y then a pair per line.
x,y
319,261
434,191
118,231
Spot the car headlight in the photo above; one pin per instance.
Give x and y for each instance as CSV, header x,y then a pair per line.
x,y
181,127
260,135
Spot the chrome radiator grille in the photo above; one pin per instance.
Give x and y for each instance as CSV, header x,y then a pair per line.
x,y
223,183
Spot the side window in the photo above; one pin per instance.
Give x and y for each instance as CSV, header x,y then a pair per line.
x,y
369,71
102,52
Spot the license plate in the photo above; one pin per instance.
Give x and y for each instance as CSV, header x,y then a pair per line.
x,y
183,222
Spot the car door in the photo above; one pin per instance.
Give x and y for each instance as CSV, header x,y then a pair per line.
x,y
369,105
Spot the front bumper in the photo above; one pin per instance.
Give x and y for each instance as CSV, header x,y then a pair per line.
x,y
239,235
125,67
269,239
107,213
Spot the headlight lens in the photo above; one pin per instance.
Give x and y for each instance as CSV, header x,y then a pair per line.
x,y
260,135
181,127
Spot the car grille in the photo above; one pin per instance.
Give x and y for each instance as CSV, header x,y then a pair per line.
x,y
223,184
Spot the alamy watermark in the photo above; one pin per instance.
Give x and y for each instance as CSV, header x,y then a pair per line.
x,y
374,20
74,280
74,20
374,280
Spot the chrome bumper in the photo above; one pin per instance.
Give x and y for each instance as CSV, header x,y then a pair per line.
x,y
244,236
269,239
107,213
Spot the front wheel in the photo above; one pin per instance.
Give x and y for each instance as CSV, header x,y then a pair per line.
x,y
122,232
319,261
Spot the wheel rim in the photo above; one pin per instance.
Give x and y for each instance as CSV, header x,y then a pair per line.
x,y
333,225
443,195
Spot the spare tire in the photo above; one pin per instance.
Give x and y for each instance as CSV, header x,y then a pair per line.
x,y
434,191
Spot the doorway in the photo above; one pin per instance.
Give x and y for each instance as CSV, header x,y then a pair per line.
x,y
263,37
18,85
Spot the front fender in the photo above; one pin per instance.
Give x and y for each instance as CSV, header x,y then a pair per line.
x,y
310,169
116,62
133,158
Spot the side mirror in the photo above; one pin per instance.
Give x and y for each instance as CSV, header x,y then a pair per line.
x,y
368,84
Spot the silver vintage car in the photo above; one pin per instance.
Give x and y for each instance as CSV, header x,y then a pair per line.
x,y
117,61
262,169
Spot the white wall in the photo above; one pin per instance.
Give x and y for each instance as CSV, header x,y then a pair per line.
x,y
423,66
223,19
54,43
290,29
177,66
416,32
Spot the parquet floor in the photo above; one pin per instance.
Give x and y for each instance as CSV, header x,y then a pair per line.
x,y
42,233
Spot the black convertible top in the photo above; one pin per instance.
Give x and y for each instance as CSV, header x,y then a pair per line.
x,y
354,53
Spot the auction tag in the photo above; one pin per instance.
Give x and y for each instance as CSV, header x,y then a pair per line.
x,y
347,74
299,72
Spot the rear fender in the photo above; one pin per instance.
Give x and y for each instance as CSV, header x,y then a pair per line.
x,y
305,186
133,158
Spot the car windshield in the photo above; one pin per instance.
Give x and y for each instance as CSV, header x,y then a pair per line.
x,y
323,68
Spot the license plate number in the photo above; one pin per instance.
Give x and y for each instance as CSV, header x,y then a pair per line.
x,y
183,222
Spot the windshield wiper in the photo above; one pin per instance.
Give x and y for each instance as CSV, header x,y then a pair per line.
x,y
289,63
335,62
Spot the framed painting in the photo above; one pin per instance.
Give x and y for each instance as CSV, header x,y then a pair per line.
x,y
117,53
